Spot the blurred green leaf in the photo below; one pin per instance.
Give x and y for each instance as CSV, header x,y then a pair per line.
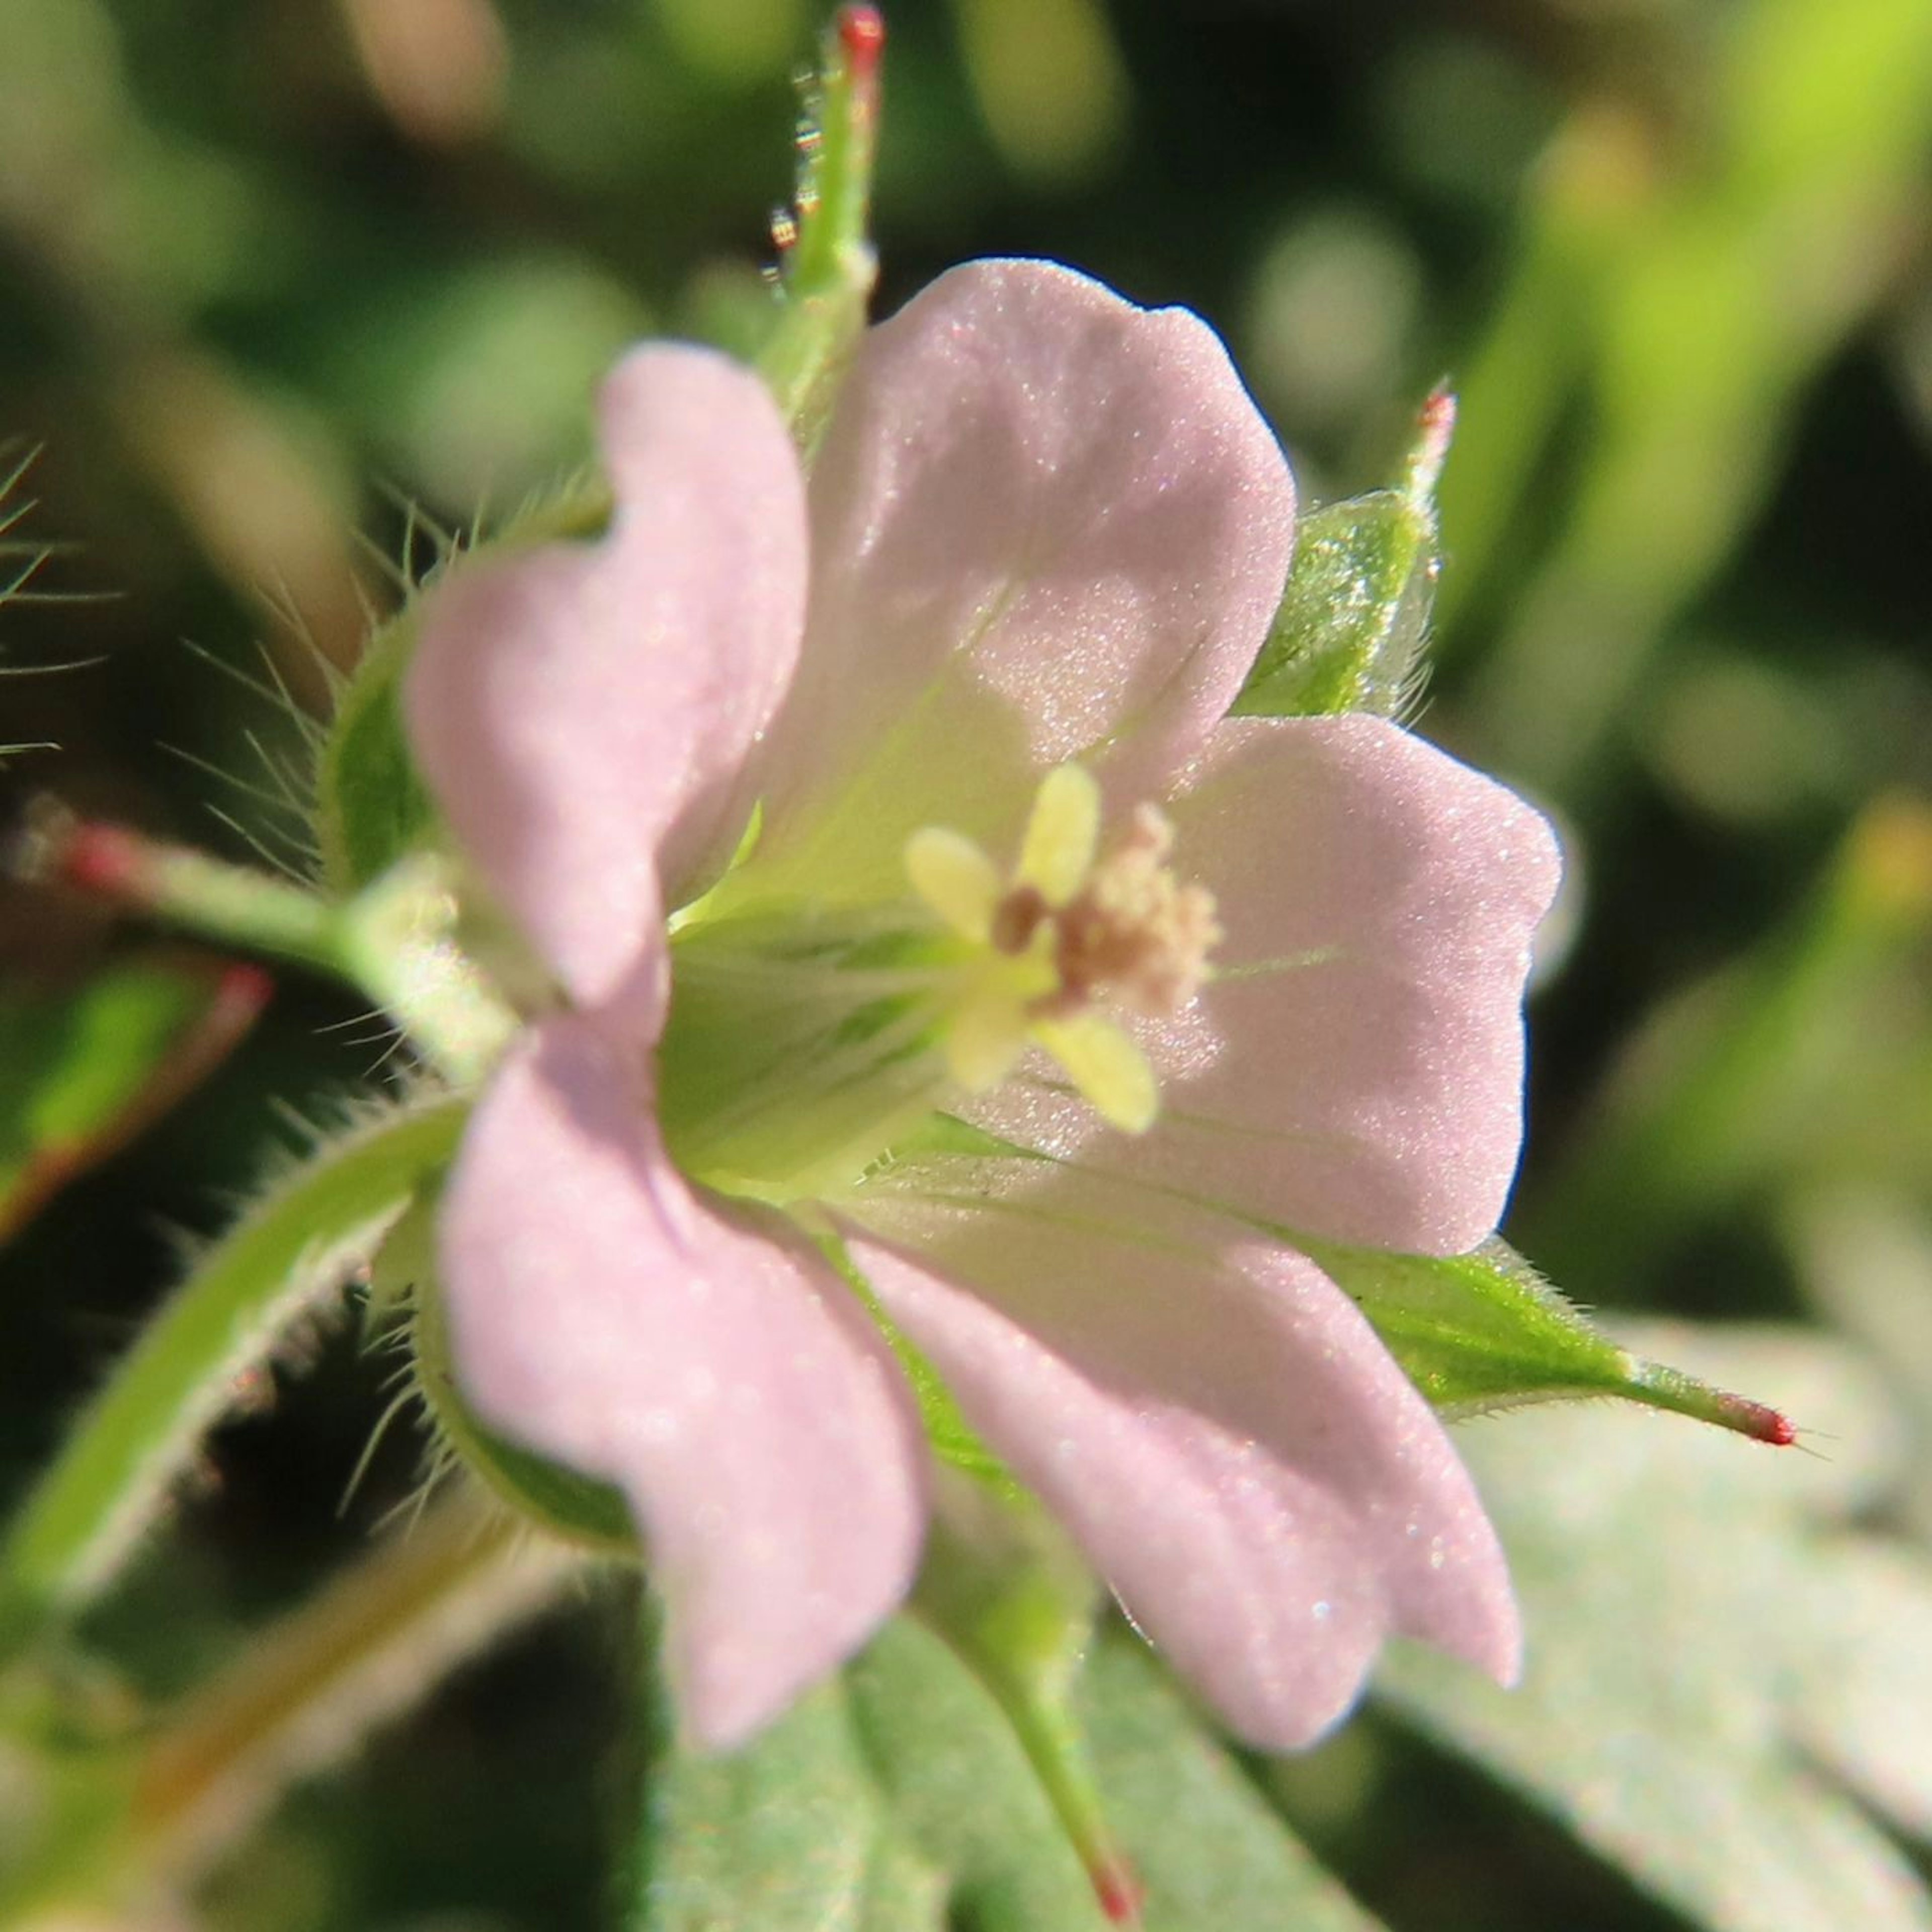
x,y
476,380
896,1800
82,1071
1703,1628
1208,1850
1863,1251
1770,1069
890,1798
1697,288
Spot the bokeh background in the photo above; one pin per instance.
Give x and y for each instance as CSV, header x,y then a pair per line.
x,y
287,287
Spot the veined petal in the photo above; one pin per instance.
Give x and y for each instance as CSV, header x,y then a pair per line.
x,y
1225,1436
1355,1068
714,1368
1046,525
582,711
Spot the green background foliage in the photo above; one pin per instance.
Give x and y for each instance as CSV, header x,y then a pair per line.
x,y
289,291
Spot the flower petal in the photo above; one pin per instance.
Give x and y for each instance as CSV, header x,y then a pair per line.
x,y
581,711
1043,520
1355,1070
1228,1441
713,1367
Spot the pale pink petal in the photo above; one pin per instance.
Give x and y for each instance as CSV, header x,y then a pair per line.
x,y
1043,521
1355,1071
581,710
709,1364
1228,1441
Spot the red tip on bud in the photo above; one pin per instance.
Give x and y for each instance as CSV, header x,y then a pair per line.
x,y
100,859
1436,428
861,33
242,992
1757,1420
1118,1890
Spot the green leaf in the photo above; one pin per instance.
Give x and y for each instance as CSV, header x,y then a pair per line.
x,y
897,1800
1713,1655
895,1797
113,1478
1208,1850
81,1071
1484,1331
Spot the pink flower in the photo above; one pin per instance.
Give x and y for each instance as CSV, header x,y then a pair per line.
x,y
1195,983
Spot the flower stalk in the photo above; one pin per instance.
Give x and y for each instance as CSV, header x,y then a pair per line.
x,y
828,266
396,940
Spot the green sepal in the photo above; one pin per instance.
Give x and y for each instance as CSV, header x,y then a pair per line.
x,y
579,1509
952,1437
372,809
1484,1331
1348,635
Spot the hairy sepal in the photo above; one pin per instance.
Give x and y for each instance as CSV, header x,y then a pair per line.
x,y
1484,1331
1354,616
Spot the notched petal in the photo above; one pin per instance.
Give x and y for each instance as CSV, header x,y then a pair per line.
x,y
584,713
709,1364
1225,1436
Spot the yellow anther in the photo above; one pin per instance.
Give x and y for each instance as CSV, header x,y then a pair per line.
x,y
1102,1061
956,879
1063,833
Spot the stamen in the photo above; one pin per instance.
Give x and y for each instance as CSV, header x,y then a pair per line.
x,y
1109,1069
1136,933
1057,853
956,879
1068,932
1017,918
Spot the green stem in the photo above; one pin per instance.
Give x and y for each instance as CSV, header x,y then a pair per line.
x,y
829,268
198,1358
231,905
309,1691
1002,1589
394,941
306,1692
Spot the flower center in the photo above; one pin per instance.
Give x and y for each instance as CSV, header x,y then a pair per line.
x,y
806,1037
1070,931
